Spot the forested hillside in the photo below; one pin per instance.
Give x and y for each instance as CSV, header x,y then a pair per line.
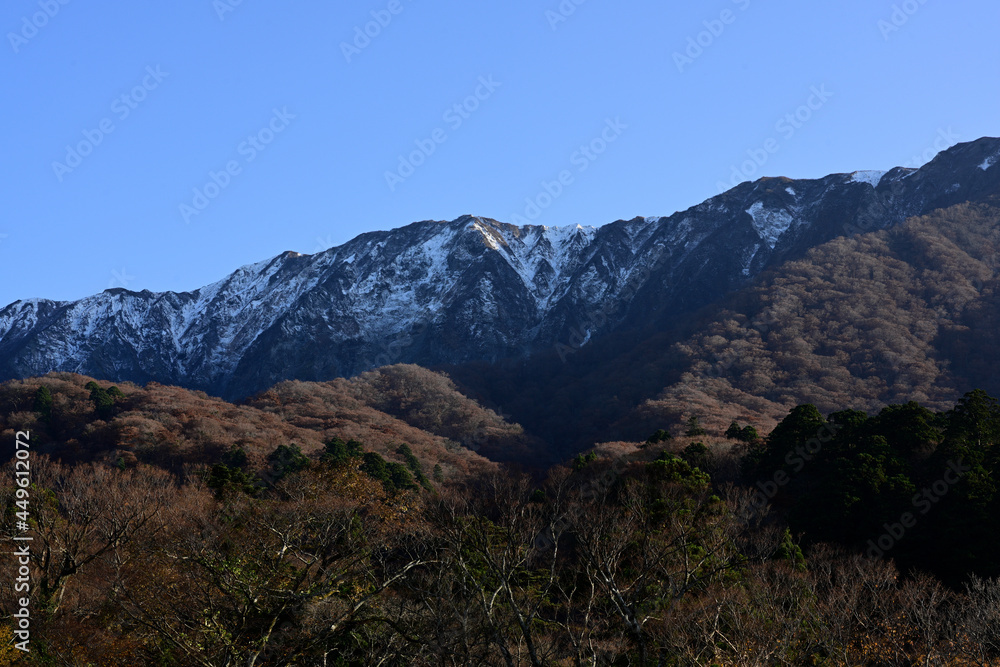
x,y
817,543
897,315
75,419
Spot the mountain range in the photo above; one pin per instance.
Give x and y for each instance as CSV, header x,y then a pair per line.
x,y
475,295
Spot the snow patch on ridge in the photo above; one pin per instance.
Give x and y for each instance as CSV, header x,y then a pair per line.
x,y
870,177
989,162
769,225
746,265
543,257
487,234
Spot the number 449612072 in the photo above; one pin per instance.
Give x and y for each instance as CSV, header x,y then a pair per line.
x,y
22,472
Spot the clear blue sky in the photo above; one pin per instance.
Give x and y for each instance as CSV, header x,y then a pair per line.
x,y
221,71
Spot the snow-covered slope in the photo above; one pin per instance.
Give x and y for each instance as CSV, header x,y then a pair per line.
x,y
472,289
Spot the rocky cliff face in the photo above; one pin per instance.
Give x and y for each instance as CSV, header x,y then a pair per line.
x,y
473,289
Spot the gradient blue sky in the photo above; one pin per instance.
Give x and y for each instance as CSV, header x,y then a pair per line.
x,y
115,219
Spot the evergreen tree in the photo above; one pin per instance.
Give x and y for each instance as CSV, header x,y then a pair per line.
x,y
394,476
975,420
43,403
802,426
104,404
400,477
235,458
374,466
583,460
696,455
747,434
223,479
287,459
911,428
414,465
335,452
355,448
659,436
694,427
